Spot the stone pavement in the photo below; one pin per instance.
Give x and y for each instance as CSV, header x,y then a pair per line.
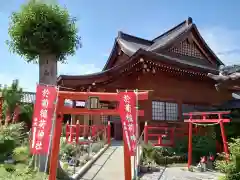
x,y
177,173
109,166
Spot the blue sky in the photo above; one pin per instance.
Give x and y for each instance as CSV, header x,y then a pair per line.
x,y
100,21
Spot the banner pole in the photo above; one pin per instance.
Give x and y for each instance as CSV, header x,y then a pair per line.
x,y
127,157
137,137
51,134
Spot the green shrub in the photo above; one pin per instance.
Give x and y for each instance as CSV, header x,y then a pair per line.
x,y
68,149
165,160
20,172
148,152
160,155
225,167
21,154
231,168
11,136
165,151
201,146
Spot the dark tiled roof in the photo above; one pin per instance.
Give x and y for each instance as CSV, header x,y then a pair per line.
x,y
131,44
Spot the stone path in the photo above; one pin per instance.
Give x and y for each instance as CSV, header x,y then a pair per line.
x,y
177,173
109,166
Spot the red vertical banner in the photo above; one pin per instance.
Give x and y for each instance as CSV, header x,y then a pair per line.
x,y
42,118
127,111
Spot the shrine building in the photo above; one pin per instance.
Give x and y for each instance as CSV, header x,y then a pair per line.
x,y
173,66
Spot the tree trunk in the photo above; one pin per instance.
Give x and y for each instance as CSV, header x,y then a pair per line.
x,y
48,69
48,76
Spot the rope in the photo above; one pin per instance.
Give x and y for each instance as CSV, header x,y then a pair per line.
x,y
212,124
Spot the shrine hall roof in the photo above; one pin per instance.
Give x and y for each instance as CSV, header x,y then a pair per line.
x,y
157,50
130,44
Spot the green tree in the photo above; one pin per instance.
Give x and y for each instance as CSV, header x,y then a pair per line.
x,y
43,33
12,96
26,114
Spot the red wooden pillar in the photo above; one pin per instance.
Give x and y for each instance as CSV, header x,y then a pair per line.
x,y
224,139
190,125
93,131
109,133
77,132
127,161
56,142
172,137
146,133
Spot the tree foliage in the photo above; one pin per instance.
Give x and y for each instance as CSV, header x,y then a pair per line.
x,y
231,168
12,96
43,28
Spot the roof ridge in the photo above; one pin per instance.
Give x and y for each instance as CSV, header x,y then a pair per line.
x,y
159,45
186,22
122,34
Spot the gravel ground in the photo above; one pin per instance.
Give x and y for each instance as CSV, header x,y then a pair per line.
x,y
178,173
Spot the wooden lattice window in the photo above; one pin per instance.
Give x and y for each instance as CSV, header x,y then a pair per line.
x,y
187,49
158,110
171,111
104,119
164,111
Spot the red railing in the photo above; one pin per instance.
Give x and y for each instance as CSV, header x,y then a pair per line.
x,y
75,131
164,132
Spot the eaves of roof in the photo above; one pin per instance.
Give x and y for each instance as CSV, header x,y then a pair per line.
x,y
156,57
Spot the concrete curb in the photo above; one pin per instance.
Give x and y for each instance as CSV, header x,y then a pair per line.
x,y
88,165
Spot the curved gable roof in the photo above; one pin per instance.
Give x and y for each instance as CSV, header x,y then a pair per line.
x,y
131,44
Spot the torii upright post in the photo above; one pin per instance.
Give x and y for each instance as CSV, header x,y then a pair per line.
x,y
220,120
61,110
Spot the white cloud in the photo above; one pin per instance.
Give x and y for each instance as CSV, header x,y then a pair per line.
x,y
77,69
224,42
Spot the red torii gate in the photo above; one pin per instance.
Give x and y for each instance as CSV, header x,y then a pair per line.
x,y
220,120
61,109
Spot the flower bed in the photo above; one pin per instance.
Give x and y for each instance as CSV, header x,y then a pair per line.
x,y
154,157
73,157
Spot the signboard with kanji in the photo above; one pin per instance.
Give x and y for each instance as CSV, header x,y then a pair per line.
x,y
42,118
127,110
